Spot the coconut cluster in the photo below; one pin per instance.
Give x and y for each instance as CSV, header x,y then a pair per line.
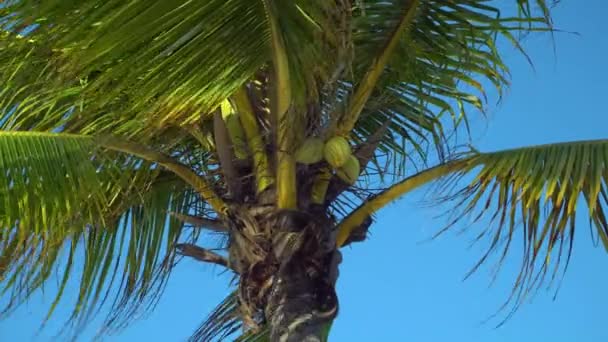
x,y
337,153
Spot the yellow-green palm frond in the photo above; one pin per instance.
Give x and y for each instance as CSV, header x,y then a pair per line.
x,y
131,68
536,192
444,65
135,60
439,71
533,192
45,177
68,211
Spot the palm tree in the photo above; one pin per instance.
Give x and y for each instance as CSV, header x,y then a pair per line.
x,y
129,128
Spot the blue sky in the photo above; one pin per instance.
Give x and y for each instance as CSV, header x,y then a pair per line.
x,y
394,288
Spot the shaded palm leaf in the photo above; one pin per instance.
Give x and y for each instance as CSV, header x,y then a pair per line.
x,y
262,336
222,322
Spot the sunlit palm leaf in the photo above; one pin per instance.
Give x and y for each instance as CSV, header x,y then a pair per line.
x,y
439,70
97,218
133,62
45,178
534,192
51,189
137,58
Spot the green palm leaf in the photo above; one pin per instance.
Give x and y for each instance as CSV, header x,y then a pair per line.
x,y
58,197
536,192
164,40
449,47
532,191
46,177
131,64
398,77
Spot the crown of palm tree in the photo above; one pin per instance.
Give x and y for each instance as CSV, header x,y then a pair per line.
x,y
128,126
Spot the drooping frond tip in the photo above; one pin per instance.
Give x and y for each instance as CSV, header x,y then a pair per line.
x,y
64,204
223,321
534,192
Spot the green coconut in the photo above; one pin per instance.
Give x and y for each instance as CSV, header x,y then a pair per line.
x,y
350,171
337,151
310,152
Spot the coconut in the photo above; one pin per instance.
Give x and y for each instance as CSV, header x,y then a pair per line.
x,y
336,151
349,172
310,152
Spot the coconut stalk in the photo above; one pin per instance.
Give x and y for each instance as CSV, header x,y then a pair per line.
x,y
263,174
225,155
235,130
280,105
368,83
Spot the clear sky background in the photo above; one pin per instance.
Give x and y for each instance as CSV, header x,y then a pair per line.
x,y
395,288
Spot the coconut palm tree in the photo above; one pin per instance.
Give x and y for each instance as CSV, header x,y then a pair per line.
x,y
130,128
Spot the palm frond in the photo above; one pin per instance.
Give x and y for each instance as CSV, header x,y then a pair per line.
x,y
44,179
532,191
148,236
437,78
222,322
225,321
438,71
535,192
59,199
135,60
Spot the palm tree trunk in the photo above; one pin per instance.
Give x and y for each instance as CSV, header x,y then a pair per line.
x,y
302,302
301,308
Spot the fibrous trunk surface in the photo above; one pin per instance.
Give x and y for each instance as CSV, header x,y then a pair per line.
x,y
288,264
